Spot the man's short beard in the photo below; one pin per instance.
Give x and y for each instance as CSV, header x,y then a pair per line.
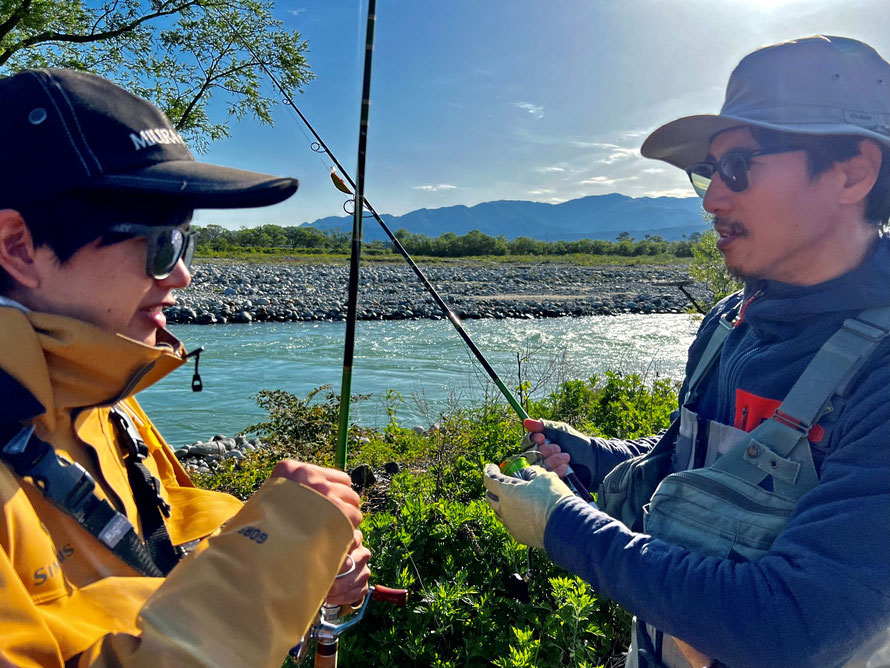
x,y
737,274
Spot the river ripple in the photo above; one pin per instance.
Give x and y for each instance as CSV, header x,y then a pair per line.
x,y
425,361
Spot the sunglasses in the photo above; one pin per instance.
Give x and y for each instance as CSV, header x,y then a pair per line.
x,y
732,167
165,246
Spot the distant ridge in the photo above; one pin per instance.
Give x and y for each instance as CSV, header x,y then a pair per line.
x,y
592,217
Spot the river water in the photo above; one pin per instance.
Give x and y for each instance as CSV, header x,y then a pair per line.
x,y
423,360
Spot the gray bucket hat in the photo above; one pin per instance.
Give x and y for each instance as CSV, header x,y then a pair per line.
x,y
818,85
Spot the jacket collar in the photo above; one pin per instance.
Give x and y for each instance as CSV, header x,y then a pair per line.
x,y
782,308
66,364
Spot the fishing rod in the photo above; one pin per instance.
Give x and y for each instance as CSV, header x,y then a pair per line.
x,y
326,647
361,201
352,292
328,627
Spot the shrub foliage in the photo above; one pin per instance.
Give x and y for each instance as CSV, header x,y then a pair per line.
x,y
476,597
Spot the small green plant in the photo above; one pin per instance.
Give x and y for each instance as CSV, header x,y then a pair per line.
x,y
307,428
618,405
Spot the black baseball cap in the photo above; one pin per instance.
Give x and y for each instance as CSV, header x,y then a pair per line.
x,y
67,131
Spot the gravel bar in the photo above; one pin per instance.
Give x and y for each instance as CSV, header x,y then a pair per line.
x,y
225,292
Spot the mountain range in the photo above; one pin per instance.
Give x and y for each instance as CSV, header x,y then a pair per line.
x,y
592,217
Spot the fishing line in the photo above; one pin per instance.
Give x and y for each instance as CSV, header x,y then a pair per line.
x,y
446,311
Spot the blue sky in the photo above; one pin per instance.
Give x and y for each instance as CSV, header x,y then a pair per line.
x,y
543,100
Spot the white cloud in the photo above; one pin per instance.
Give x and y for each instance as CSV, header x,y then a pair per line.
x,y
552,170
586,144
599,181
534,109
296,12
615,152
671,192
619,153
435,188
654,170
540,191
606,180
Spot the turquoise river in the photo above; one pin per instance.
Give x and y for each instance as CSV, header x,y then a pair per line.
x,y
424,361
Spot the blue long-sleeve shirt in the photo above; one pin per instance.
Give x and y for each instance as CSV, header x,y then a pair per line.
x,y
824,587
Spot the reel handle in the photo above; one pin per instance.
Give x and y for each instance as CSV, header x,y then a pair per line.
x,y
389,595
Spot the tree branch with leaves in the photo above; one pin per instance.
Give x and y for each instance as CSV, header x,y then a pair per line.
x,y
180,54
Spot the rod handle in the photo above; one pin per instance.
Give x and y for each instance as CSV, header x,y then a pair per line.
x,y
580,489
326,654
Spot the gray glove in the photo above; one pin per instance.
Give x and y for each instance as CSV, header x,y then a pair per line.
x,y
525,505
581,449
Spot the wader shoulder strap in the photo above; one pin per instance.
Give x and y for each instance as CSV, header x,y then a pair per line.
x,y
708,358
711,353
69,487
772,449
629,486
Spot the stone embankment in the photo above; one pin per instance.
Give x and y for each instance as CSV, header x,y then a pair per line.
x,y
201,457
242,293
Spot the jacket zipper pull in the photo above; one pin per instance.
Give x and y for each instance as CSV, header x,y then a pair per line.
x,y
197,385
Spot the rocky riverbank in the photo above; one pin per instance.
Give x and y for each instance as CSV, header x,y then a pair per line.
x,y
223,292
201,457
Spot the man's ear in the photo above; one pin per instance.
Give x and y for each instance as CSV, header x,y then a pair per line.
x,y
17,252
860,172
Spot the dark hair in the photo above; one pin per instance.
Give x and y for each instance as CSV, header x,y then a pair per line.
x,y
823,151
68,222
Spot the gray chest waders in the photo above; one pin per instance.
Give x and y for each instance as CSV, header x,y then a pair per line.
x,y
737,506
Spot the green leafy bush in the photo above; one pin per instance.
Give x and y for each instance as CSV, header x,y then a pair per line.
x,y
617,405
431,532
458,562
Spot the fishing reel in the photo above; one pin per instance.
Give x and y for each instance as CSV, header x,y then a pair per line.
x,y
328,627
516,466
519,466
517,584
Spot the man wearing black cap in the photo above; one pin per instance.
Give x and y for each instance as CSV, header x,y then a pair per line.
x,y
765,536
96,193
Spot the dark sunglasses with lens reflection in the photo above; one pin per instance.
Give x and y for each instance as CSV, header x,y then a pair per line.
x,y
732,167
165,246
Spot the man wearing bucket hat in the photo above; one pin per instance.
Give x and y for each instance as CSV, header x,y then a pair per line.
x,y
109,555
795,170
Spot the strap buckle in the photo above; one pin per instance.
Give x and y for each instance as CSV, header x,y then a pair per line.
x,y
790,421
67,484
129,435
867,331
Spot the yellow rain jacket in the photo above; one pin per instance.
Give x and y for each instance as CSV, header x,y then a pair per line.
x,y
68,601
